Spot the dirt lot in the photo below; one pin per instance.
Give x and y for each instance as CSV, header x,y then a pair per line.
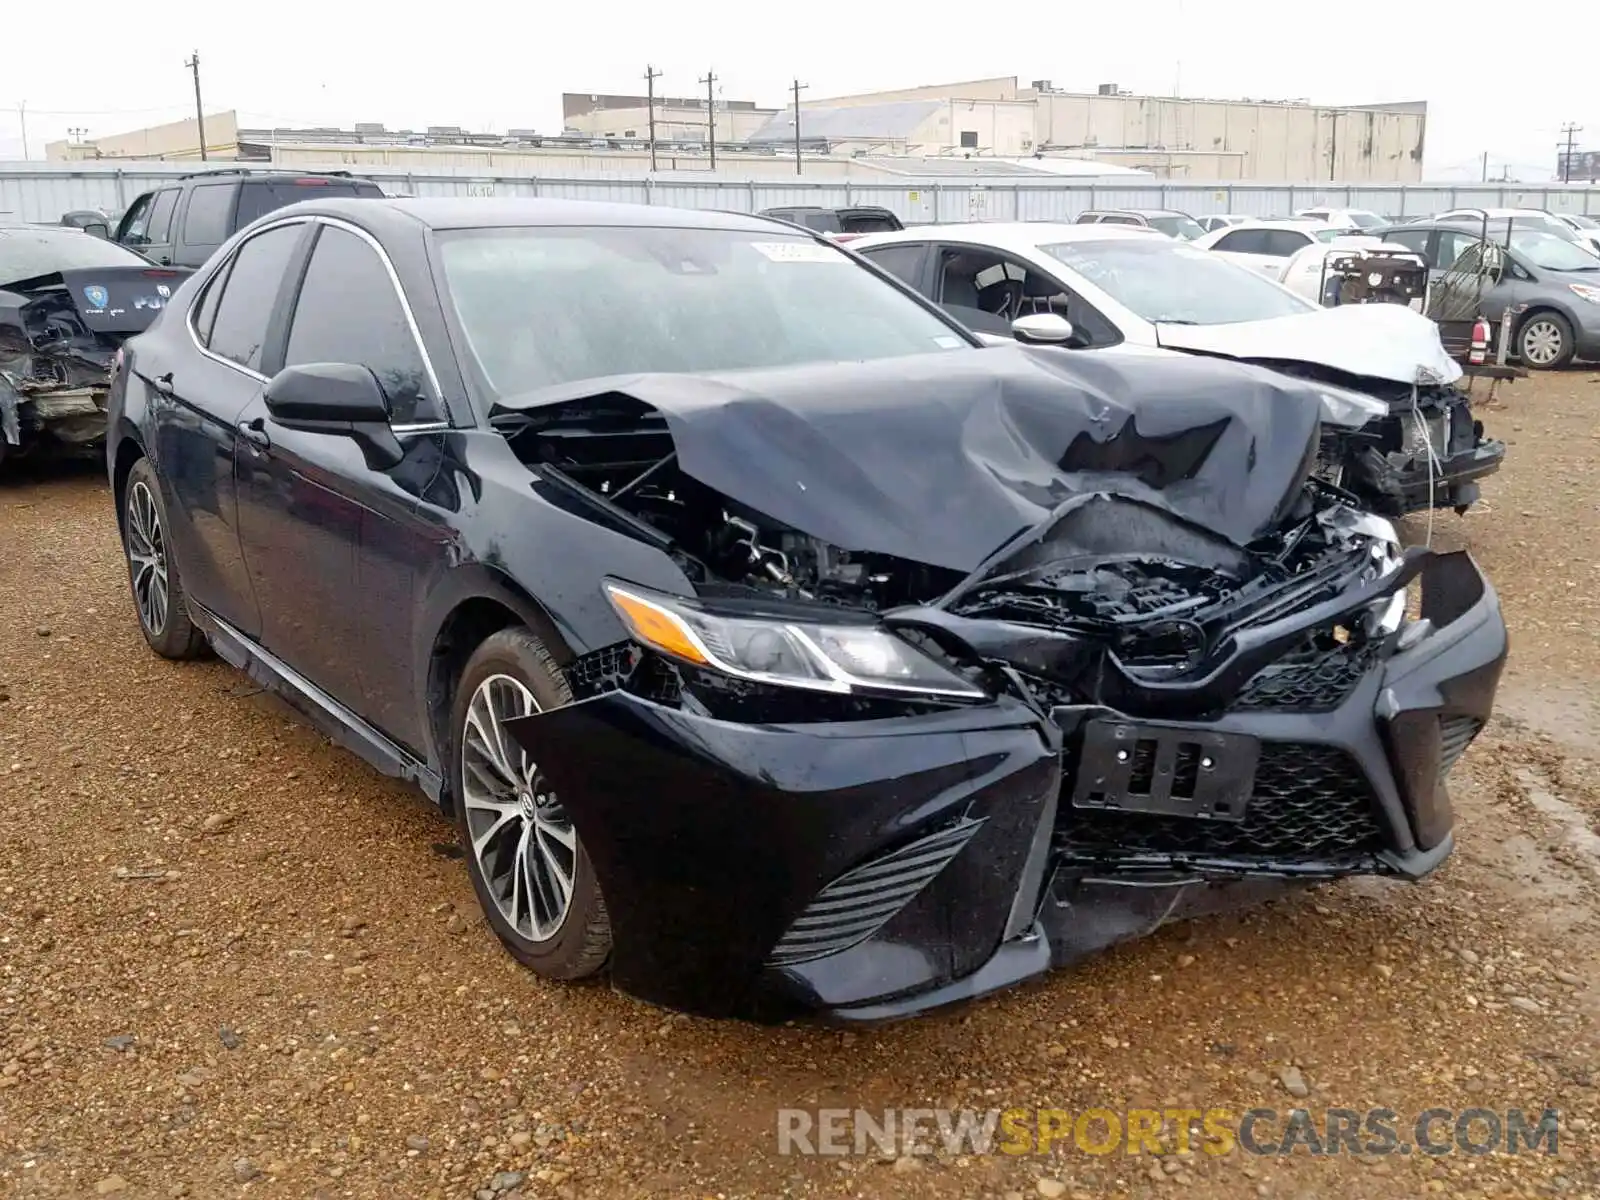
x,y
233,959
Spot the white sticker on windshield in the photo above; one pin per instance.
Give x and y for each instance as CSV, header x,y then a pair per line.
x,y
946,342
797,251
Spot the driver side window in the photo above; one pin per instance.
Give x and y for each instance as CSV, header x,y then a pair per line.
x,y
348,311
137,222
986,291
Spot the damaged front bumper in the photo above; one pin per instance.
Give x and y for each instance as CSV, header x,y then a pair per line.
x,y
1429,459
871,870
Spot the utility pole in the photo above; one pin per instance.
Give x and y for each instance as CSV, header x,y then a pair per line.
x,y
798,88
650,77
22,119
1485,166
711,114
1570,131
199,113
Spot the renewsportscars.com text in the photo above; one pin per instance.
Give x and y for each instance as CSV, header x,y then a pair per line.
x,y
1215,1131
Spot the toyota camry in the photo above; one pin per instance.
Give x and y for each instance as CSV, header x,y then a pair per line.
x,y
772,645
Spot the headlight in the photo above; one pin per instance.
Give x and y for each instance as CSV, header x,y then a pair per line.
x,y
837,658
1347,409
1586,291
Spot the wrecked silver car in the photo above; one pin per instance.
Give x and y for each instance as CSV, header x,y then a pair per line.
x,y
68,300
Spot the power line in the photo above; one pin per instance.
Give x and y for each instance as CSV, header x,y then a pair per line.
x,y
199,112
1570,132
650,77
711,114
799,87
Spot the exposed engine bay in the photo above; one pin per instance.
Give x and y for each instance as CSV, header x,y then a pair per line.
x,y
1105,575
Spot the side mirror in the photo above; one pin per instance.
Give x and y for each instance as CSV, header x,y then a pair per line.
x,y
336,398
1043,329
97,229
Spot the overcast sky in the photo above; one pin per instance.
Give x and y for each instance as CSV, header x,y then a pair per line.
x,y
1496,79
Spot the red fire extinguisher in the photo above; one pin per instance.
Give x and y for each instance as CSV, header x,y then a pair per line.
x,y
1480,342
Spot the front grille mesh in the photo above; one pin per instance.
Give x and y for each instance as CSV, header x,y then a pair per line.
x,y
1310,802
862,900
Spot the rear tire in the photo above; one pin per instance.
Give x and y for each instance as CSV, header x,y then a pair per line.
x,y
159,598
528,867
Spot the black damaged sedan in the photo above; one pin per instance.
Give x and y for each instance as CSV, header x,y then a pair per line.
x,y
768,645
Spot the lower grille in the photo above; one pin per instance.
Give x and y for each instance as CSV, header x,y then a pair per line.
x,y
861,901
1455,735
1310,802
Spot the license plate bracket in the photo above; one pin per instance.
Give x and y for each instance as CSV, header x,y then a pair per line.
x,y
1165,770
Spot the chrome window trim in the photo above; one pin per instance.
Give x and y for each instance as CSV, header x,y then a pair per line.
x,y
394,280
211,278
405,304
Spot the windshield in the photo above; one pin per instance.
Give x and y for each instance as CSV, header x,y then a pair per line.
x,y
1583,222
1180,226
27,253
1366,220
1160,281
1327,235
1551,252
543,306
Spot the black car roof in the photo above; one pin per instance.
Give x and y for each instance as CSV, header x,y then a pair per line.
x,y
480,213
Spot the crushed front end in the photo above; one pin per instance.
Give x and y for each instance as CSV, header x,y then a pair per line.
x,y
848,781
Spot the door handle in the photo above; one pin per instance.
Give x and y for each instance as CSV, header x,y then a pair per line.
x,y
255,432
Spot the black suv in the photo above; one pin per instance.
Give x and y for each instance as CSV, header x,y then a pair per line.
x,y
182,223
834,221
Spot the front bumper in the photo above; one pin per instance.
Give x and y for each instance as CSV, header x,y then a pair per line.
x,y
1416,486
72,419
870,870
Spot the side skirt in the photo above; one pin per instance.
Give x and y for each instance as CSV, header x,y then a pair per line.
x,y
330,717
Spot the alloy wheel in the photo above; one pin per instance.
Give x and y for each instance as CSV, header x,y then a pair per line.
x,y
1541,343
524,844
147,558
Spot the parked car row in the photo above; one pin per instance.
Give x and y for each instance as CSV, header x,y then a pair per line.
x,y
846,631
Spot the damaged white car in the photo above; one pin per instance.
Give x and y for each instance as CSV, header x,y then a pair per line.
x,y
1399,431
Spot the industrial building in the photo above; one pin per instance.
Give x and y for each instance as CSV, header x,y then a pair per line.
x,y
1172,137
676,119
983,126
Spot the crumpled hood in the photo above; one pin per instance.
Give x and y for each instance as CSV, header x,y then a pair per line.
x,y
1383,341
943,458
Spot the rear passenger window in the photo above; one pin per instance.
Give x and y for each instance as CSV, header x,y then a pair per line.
x,y
1243,241
258,197
349,312
210,213
1283,243
900,261
244,309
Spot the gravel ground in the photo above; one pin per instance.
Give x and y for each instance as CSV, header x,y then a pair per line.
x,y
233,959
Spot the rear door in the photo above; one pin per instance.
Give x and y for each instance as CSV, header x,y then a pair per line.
x,y
198,396
205,222
1251,249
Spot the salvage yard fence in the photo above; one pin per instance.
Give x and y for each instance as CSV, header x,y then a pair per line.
x,y
42,192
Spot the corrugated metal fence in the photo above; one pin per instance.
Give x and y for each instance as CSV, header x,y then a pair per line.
x,y
42,192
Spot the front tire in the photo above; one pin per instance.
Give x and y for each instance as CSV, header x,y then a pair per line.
x,y
1545,341
528,867
158,593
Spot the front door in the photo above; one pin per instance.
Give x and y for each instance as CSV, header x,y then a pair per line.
x,y
334,543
